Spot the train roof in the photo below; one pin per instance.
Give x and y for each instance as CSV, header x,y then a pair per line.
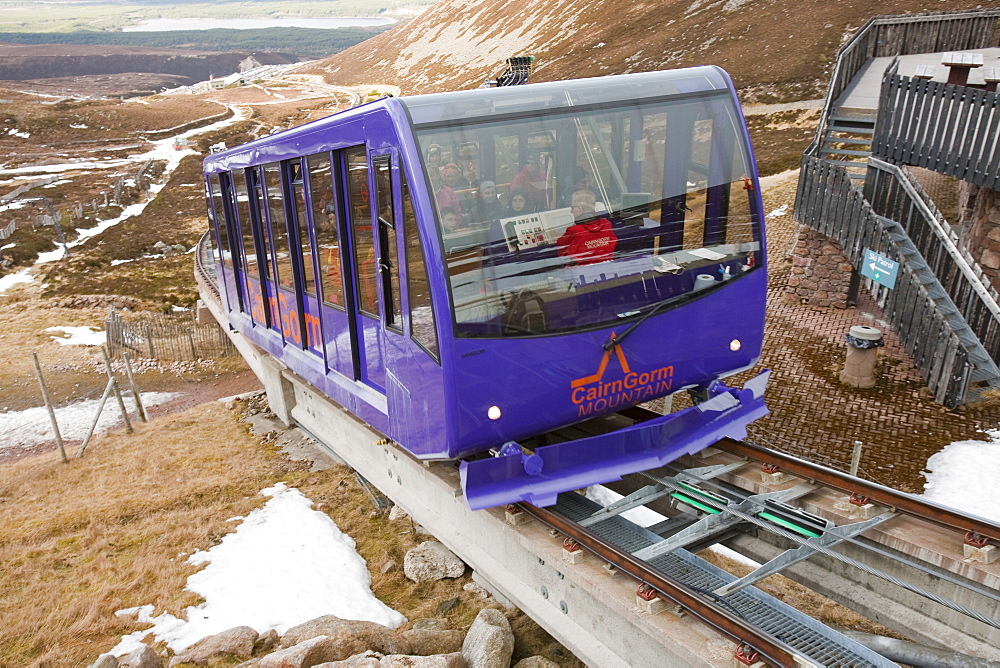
x,y
435,108
457,106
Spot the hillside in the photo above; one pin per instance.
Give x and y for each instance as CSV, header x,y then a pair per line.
x,y
43,61
775,50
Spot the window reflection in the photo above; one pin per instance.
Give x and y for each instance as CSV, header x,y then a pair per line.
x,y
583,218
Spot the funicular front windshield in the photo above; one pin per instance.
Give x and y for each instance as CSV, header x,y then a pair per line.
x,y
578,217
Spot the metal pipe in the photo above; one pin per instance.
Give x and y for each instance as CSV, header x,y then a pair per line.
x,y
916,655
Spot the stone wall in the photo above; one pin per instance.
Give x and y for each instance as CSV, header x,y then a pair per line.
x,y
821,275
979,211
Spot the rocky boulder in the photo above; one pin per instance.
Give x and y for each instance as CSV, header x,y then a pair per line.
x,y
425,642
369,660
432,561
369,635
490,642
312,652
142,657
236,642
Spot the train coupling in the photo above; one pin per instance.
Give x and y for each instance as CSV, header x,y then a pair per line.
x,y
539,477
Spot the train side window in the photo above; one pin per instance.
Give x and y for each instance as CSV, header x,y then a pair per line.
x,y
360,205
302,224
246,227
388,269
418,290
324,205
257,204
219,216
279,230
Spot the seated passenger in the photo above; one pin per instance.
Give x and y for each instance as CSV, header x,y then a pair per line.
x,y
450,220
531,180
520,204
447,197
591,239
488,206
433,161
579,181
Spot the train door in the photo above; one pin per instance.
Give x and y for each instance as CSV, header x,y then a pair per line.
x,y
258,208
225,241
284,302
366,269
254,263
327,201
303,259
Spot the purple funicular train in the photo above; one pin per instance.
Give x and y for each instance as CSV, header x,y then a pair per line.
x,y
470,271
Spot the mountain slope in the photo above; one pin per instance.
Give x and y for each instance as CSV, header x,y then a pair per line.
x,y
777,46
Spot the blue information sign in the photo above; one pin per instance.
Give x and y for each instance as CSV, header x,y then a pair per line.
x,y
879,268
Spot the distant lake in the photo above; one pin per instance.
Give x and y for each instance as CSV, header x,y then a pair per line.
x,y
164,25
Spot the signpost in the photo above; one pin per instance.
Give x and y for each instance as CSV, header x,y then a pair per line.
x,y
879,268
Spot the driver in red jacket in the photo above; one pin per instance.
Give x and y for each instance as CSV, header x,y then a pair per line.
x,y
591,240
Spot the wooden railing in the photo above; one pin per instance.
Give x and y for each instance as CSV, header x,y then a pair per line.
x,y
836,207
952,130
901,36
893,194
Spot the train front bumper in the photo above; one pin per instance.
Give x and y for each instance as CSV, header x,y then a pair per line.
x,y
538,478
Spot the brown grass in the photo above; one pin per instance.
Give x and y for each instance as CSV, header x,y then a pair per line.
x,y
780,139
72,373
111,531
105,119
80,541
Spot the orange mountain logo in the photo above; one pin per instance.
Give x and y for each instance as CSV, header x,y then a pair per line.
x,y
596,378
592,394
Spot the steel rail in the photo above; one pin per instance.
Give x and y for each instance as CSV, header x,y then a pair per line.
x,y
708,612
201,272
886,496
902,502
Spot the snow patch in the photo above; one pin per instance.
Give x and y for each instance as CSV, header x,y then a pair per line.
x,y
79,336
23,429
962,476
311,568
780,211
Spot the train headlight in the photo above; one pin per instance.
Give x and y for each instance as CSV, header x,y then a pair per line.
x,y
735,345
493,413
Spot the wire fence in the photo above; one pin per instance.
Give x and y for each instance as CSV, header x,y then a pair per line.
x,y
166,336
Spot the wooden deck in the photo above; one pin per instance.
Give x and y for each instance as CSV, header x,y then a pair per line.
x,y
860,98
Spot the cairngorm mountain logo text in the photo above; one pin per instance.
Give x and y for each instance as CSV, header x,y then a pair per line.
x,y
594,394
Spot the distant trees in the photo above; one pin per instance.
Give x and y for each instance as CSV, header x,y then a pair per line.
x,y
303,42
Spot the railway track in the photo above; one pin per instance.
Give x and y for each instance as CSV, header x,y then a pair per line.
x,y
717,505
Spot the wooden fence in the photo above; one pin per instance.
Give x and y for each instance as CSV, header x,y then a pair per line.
x,y
952,130
166,337
904,35
894,195
836,207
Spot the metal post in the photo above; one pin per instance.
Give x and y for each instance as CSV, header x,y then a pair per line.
x,y
854,288
48,405
135,390
856,458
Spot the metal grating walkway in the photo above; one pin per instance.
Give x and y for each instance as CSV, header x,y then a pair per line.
x,y
816,641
